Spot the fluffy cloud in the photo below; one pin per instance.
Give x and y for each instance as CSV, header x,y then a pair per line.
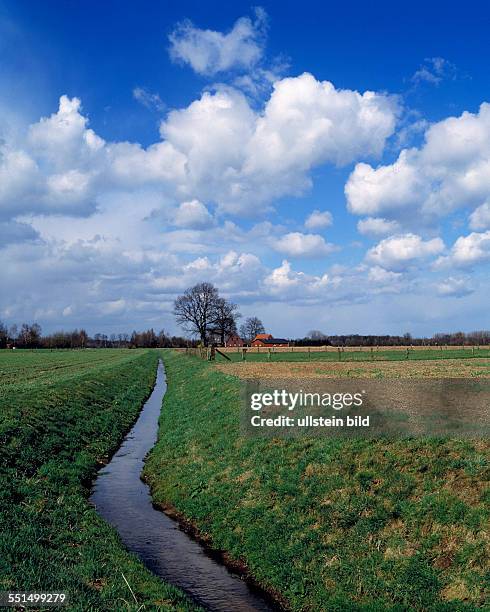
x,y
318,220
218,149
284,281
376,226
233,272
311,122
193,215
210,135
59,168
209,52
64,140
454,287
450,170
21,183
381,276
346,286
468,251
237,156
480,218
296,244
399,252
386,189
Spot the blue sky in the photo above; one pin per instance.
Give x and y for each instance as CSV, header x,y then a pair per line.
x,y
147,146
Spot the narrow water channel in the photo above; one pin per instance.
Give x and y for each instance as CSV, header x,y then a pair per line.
x,y
124,501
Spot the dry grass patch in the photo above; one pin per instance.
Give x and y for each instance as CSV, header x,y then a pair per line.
x,y
443,368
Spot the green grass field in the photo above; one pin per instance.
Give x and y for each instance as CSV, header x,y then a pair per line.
x,y
61,414
351,355
331,525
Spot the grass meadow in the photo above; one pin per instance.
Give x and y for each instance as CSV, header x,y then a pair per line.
x,y
331,525
333,355
62,414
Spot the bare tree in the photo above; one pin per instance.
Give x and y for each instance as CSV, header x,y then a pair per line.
x,y
251,328
195,311
30,335
3,335
317,335
13,331
225,319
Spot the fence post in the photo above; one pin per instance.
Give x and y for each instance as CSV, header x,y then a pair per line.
x,y
269,354
408,352
340,354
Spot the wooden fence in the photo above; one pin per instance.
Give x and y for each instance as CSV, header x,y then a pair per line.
x,y
209,353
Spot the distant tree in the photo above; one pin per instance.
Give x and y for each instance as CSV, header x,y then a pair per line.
x,y
13,332
83,338
317,335
3,335
163,339
195,310
225,320
30,335
36,334
251,327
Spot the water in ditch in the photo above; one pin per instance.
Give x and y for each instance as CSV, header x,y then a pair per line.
x,y
124,501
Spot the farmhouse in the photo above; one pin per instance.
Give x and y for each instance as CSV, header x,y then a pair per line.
x,y
234,340
268,340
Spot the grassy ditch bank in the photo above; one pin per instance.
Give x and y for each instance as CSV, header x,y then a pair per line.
x,y
330,525
61,415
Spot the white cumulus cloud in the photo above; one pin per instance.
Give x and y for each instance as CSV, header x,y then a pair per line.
x,y
400,251
209,52
376,226
319,219
449,171
219,149
283,281
379,275
296,244
480,218
468,251
193,214
455,287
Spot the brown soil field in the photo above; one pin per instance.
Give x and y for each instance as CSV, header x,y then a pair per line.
x,y
442,368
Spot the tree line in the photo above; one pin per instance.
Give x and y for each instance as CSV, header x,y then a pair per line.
x,y
318,338
30,336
